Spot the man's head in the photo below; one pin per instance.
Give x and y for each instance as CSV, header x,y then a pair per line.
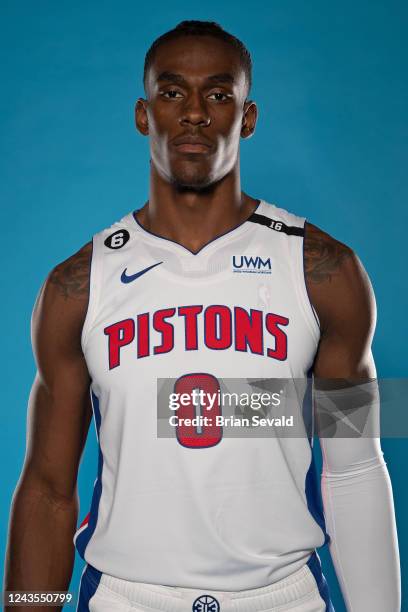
x,y
197,78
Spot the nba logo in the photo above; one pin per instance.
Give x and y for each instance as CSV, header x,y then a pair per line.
x,y
206,603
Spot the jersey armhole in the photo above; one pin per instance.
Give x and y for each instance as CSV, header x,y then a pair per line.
x,y
307,306
94,289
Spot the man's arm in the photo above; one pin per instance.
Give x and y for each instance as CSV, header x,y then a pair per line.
x,y
356,488
40,551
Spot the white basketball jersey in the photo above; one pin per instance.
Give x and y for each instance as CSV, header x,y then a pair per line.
x,y
232,513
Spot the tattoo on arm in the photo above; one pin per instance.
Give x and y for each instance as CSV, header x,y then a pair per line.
x,y
323,255
71,277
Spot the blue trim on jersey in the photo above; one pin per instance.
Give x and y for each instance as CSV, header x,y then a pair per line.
x,y
312,488
88,586
315,567
314,498
83,538
207,243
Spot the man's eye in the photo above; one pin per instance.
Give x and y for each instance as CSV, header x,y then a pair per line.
x,y
219,96
171,93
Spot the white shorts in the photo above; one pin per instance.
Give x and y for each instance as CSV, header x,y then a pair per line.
x,y
299,592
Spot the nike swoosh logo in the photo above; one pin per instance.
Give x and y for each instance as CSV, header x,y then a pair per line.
x,y
128,279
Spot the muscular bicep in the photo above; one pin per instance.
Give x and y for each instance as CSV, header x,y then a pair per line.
x,y
344,300
59,407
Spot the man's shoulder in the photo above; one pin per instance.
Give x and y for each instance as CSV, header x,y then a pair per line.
x,y
337,282
63,296
61,304
70,278
325,256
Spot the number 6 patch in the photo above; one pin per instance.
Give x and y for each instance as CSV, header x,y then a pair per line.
x,y
118,239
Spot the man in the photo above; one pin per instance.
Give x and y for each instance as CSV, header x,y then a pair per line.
x,y
200,522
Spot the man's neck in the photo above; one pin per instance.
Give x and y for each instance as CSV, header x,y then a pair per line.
x,y
194,218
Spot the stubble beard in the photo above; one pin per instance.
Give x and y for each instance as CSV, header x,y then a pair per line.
x,y
197,180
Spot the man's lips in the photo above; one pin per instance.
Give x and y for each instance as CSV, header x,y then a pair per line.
x,y
192,144
188,147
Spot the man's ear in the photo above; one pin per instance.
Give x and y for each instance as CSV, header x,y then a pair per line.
x,y
141,119
249,118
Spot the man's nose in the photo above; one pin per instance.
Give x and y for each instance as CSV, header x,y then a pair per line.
x,y
195,111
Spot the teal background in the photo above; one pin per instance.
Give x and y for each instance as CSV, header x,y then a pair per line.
x,y
331,144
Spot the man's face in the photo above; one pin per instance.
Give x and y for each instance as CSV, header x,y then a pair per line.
x,y
195,112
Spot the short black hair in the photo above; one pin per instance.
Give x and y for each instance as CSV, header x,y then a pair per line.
x,y
201,28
